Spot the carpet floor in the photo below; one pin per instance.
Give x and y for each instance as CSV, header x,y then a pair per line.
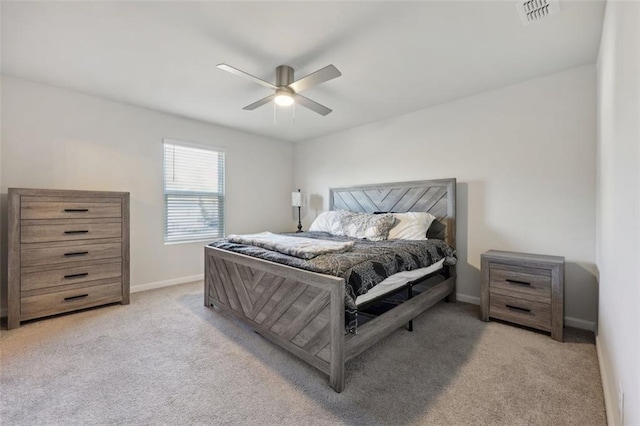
x,y
166,359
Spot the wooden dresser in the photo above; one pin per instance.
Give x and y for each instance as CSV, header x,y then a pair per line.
x,y
68,250
526,289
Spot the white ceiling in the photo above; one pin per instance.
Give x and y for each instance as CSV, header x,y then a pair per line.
x,y
395,57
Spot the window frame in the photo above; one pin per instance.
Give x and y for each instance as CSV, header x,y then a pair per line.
x,y
166,193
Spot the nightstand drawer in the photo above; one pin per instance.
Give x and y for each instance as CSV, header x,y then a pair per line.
x,y
45,278
69,300
68,209
520,311
511,280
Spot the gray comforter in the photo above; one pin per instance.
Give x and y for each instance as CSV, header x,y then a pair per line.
x,y
367,264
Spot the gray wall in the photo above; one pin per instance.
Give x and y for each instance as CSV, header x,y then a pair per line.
x,y
524,157
54,138
617,251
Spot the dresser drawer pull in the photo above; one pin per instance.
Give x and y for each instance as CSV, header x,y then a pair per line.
x,y
518,308
76,232
80,296
516,282
76,253
76,210
84,274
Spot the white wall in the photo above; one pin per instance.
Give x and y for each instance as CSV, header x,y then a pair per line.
x,y
53,138
524,158
617,235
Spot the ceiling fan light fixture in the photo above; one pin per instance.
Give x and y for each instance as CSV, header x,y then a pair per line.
x,y
283,98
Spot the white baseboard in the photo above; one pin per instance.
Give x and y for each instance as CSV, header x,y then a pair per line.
x,y
166,283
580,323
568,321
610,398
468,299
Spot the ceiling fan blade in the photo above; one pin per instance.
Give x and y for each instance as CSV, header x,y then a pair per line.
x,y
325,74
236,71
259,103
312,105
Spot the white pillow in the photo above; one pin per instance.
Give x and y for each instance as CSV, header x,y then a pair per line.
x,y
328,222
411,226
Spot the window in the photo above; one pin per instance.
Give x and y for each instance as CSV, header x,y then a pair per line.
x,y
193,193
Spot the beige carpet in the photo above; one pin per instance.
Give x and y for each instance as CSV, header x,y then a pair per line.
x,y
166,359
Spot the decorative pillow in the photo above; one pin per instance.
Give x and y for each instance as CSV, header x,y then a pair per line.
x,y
368,226
328,222
411,226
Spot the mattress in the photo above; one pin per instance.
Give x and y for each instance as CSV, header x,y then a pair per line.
x,y
363,267
396,281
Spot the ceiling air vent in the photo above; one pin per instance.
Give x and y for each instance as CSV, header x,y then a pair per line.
x,y
536,10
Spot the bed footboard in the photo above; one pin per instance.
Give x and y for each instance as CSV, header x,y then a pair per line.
x,y
300,311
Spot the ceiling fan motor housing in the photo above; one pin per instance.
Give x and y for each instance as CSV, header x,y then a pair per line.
x,y
284,75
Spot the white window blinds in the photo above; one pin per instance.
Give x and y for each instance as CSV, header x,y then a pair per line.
x,y
193,193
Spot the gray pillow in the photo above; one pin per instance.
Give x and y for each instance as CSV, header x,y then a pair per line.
x,y
373,227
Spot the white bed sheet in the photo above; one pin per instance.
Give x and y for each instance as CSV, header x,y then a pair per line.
x,y
397,280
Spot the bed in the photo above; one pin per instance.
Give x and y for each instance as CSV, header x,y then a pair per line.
x,y
304,311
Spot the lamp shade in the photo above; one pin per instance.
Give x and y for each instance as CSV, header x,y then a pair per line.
x,y
296,198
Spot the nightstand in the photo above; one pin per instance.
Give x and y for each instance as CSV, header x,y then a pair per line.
x,y
525,289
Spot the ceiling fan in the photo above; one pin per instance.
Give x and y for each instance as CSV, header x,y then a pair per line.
x,y
286,90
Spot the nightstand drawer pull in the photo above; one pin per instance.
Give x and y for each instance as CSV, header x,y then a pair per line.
x,y
517,282
80,296
518,308
76,253
76,210
76,232
84,274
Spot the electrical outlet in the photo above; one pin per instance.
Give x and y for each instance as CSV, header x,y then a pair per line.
x,y
621,403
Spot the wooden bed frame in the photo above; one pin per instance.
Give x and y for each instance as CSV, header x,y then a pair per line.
x,y
302,311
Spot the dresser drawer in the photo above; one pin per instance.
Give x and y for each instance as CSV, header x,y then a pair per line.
x,y
520,311
45,278
69,230
529,283
68,210
69,300
69,253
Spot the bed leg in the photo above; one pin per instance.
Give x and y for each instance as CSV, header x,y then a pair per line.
x,y
336,380
451,272
336,363
409,296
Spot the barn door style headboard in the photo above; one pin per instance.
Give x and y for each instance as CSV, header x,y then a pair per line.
x,y
437,197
